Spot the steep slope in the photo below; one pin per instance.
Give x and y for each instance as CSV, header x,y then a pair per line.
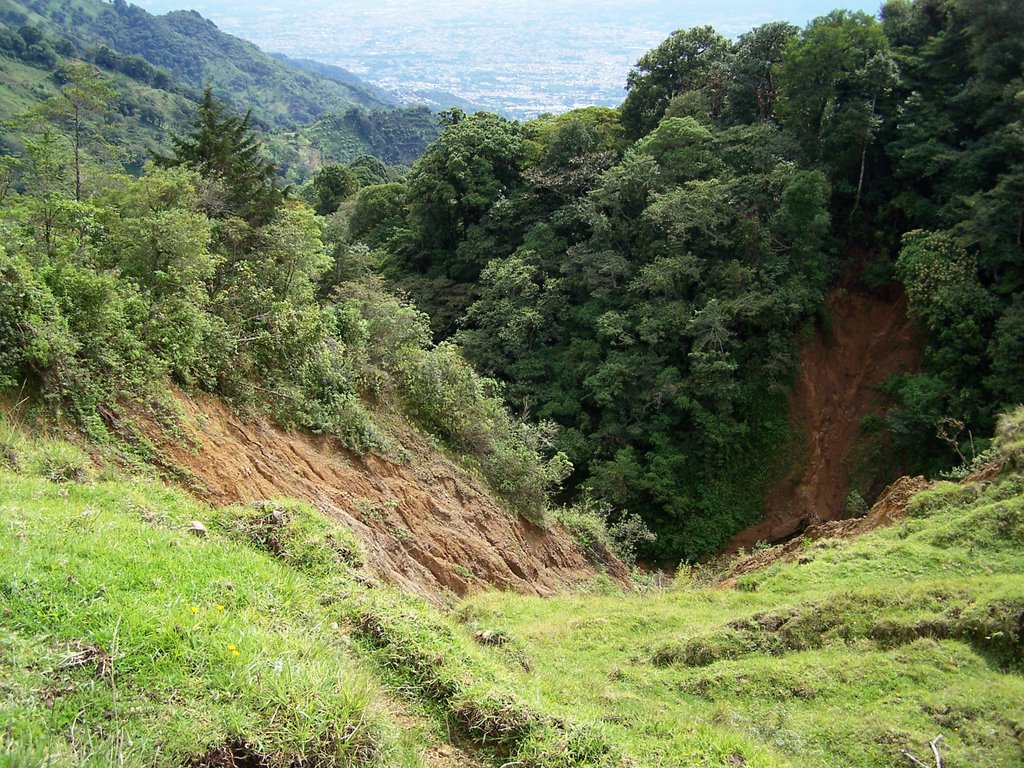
x,y
869,339
159,65
425,524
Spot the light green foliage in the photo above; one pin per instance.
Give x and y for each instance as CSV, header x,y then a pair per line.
x,y
203,272
600,533
682,149
863,649
155,647
443,394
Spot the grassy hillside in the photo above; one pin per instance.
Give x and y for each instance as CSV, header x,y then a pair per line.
x,y
860,650
128,638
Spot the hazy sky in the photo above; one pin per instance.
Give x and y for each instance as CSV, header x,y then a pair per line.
x,y
728,16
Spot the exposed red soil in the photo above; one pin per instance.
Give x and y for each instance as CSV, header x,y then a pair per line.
x,y
426,526
871,339
889,508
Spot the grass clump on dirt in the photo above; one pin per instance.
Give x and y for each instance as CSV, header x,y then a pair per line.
x,y
424,653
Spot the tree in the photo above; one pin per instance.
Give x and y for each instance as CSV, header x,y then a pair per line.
x,y
753,88
223,149
333,184
831,81
83,94
474,163
690,60
378,212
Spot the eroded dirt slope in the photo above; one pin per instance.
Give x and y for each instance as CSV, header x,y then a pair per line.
x,y
426,526
870,339
890,507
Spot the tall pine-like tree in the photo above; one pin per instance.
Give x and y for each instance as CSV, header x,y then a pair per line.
x,y
222,147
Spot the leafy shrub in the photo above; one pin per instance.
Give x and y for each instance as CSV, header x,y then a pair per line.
x,y
599,533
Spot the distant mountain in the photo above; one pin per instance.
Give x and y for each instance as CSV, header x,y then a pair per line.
x,y
434,99
336,74
310,113
193,51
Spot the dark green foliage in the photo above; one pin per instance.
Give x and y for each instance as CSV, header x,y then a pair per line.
x,y
646,297
471,166
691,60
958,165
753,89
378,212
222,148
331,186
651,315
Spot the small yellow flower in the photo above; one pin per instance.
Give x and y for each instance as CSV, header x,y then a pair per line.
x,y
236,653
220,607
194,609
231,647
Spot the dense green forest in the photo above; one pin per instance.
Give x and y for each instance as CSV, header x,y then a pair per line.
x,y
632,283
597,315
639,276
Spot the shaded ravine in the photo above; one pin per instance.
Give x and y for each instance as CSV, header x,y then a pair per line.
x,y
870,339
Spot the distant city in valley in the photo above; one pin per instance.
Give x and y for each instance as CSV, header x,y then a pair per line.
x,y
518,57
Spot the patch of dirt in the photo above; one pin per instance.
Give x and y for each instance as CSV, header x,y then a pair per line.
x,y
437,753
426,526
870,339
233,754
889,507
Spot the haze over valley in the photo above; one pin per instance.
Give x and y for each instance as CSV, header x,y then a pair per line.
x,y
517,57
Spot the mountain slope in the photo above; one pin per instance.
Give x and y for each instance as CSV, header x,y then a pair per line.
x,y
159,66
196,53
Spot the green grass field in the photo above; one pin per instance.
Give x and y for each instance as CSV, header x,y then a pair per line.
x,y
128,640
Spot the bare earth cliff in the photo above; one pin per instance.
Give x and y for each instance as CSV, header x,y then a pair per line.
x,y
426,526
870,339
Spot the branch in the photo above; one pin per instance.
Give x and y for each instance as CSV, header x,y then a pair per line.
x,y
935,750
913,759
939,763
